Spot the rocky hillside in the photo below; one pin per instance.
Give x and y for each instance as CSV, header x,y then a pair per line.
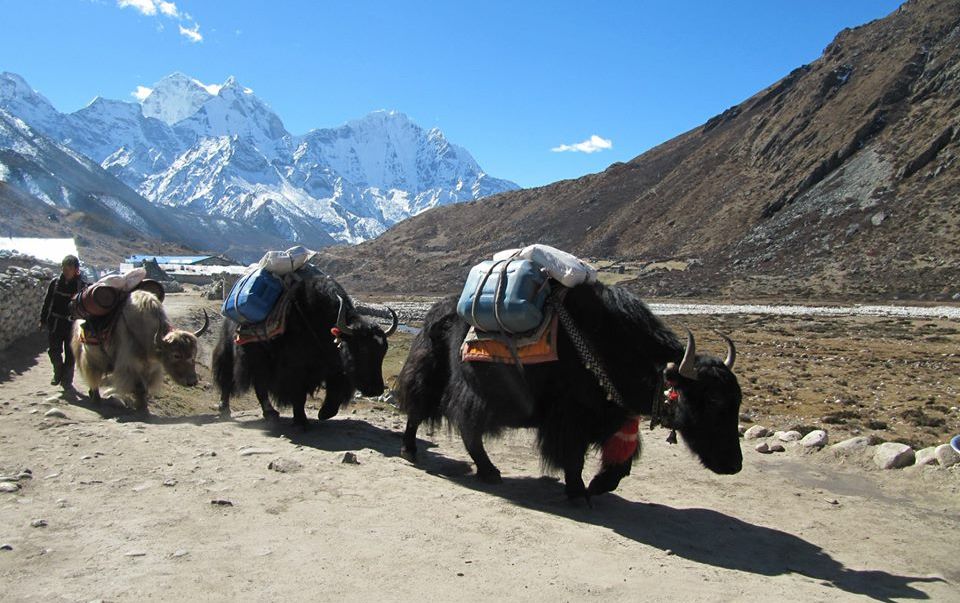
x,y
840,180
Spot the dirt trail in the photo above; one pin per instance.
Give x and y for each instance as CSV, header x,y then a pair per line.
x,y
129,517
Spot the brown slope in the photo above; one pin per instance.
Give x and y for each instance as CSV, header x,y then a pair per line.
x,y
839,180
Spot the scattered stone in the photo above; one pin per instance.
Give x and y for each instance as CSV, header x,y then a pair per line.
x,y
815,439
180,553
55,412
927,456
350,458
946,455
62,503
38,523
746,417
25,474
6,547
52,399
851,446
777,448
763,448
221,502
756,432
86,457
252,451
136,554
788,436
52,475
893,455
170,482
831,501
741,429
284,466
9,487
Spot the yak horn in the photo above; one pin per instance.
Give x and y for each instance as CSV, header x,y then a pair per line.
x,y
342,319
396,323
687,368
206,325
731,351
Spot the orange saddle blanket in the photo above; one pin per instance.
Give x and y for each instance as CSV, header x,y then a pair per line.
x,y
539,348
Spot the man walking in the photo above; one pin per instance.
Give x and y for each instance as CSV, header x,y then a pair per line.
x,y
55,317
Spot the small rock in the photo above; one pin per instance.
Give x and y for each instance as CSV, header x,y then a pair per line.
x,y
38,523
170,483
55,412
284,466
136,554
927,456
756,432
252,451
350,458
893,455
777,448
180,553
741,429
62,503
788,436
815,439
763,448
25,475
746,417
6,547
831,501
221,502
946,455
9,487
851,446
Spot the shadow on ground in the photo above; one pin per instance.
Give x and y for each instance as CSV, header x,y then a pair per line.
x,y
705,536
22,355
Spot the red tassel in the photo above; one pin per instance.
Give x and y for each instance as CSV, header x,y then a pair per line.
x,y
620,447
336,332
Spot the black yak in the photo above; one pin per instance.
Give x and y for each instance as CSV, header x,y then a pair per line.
x,y
564,401
326,344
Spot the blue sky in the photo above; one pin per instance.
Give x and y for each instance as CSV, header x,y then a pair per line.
x,y
510,81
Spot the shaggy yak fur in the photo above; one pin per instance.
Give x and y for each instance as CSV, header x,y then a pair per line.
x,y
563,401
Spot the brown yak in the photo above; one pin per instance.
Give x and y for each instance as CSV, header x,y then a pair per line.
x,y
140,347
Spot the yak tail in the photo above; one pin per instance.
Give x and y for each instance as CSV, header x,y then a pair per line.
x,y
222,362
422,380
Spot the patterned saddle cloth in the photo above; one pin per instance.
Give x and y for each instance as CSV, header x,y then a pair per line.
x,y
537,348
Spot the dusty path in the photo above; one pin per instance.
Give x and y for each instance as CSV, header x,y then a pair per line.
x,y
129,517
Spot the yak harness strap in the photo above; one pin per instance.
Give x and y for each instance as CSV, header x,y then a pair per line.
x,y
587,354
663,411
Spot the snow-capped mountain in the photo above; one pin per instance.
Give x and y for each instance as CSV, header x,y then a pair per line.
x,y
220,150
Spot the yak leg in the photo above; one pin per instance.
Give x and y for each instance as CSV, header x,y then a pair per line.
x,y
270,413
140,398
609,478
486,471
224,407
573,473
338,392
299,416
408,448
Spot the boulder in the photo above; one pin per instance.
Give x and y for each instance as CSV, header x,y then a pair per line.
x,y
851,446
756,432
946,455
927,456
815,439
893,455
788,436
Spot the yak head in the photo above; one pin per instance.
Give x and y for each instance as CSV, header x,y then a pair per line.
x,y
703,404
178,353
364,344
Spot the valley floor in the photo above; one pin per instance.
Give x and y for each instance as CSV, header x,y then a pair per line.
x,y
127,511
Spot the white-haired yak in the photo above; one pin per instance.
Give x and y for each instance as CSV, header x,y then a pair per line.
x,y
141,345
564,401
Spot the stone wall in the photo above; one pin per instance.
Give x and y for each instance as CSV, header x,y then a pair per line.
x,y
21,296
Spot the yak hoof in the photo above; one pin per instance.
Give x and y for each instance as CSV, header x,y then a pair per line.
x,y
94,395
301,424
327,413
490,477
272,418
408,454
224,412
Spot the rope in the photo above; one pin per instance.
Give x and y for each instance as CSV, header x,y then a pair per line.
x,y
588,355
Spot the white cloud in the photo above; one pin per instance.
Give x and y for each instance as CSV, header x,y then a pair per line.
x,y
146,7
163,8
141,93
168,8
590,145
191,33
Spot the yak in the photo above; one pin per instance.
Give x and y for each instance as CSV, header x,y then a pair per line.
x,y
142,345
325,344
564,401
